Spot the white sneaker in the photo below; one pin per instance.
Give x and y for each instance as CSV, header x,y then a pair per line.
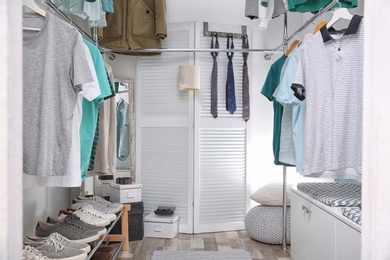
x,y
98,213
92,219
98,205
103,201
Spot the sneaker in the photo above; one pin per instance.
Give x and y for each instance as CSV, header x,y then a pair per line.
x,y
63,213
71,231
53,248
96,205
100,214
37,241
102,200
31,253
91,219
75,219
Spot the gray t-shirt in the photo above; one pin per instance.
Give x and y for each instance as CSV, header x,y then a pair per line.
x,y
54,65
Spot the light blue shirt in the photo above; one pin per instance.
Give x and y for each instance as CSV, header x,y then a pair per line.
x,y
285,95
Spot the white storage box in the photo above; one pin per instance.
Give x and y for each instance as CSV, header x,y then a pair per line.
x,y
125,193
161,226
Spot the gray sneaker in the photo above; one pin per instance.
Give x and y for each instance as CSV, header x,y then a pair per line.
x,y
71,231
75,219
98,205
37,241
102,200
31,253
54,249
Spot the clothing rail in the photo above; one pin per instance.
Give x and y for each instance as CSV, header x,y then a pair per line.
x,y
268,56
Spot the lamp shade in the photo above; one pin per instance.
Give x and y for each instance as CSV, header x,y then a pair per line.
x,y
189,77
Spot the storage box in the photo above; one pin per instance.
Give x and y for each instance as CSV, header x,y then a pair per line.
x,y
125,193
161,226
136,222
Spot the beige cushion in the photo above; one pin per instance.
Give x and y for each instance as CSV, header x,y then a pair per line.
x,y
271,195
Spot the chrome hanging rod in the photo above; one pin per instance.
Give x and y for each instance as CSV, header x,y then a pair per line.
x,y
190,50
268,56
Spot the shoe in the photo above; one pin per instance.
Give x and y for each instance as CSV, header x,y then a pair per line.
x,y
91,219
63,213
71,231
37,241
31,253
75,219
88,208
98,205
102,200
101,256
53,248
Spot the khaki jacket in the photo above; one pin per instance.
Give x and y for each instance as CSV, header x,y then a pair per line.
x,y
135,24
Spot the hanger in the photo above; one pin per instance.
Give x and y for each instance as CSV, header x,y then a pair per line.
x,y
319,26
292,46
341,13
31,4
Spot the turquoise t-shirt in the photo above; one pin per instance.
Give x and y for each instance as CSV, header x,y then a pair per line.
x,y
270,84
91,109
316,5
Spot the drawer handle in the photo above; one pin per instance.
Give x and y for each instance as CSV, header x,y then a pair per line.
x,y
307,209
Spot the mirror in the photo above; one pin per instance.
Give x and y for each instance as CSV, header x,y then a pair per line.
x,y
125,126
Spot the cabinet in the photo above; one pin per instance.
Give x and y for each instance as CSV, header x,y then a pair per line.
x,y
321,232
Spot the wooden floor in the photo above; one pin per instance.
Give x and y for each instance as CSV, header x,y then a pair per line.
x,y
223,241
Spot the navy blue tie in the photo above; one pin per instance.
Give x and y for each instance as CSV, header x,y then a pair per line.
x,y
214,77
230,92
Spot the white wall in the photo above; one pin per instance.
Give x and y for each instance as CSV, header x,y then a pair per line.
x,y
11,126
41,202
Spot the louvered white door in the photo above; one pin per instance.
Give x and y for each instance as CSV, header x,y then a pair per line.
x,y
165,129
185,157
220,145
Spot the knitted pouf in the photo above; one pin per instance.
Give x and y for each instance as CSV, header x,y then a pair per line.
x,y
265,224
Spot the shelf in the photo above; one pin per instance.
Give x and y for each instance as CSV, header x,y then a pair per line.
x,y
123,237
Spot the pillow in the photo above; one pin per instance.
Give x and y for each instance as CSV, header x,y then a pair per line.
x,y
271,195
